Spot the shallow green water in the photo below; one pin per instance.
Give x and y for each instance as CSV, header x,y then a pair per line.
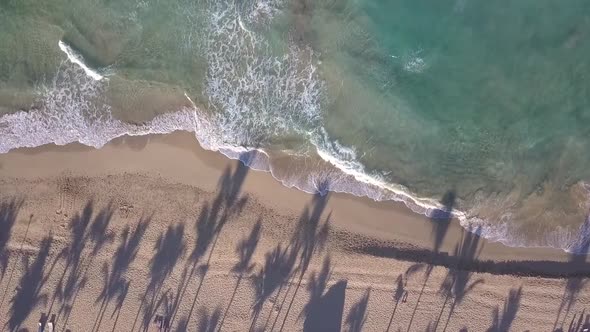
x,y
485,99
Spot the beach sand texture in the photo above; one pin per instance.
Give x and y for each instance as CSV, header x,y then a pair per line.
x,y
109,239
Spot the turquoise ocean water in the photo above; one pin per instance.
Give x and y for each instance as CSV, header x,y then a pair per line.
x,y
394,100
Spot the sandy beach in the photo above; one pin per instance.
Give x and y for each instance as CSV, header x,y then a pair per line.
x,y
154,226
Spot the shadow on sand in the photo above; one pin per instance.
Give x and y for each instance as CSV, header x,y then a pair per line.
x,y
324,309
208,321
8,213
169,249
85,232
278,280
358,313
28,292
578,323
213,217
115,284
457,283
440,220
576,283
285,263
245,250
425,257
501,321
399,294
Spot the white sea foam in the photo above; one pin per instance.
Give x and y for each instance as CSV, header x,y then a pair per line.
x,y
262,11
72,109
414,62
257,95
415,65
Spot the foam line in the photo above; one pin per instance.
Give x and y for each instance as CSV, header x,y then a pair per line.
x,y
77,59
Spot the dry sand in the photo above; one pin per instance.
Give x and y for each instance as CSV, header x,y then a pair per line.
x,y
108,239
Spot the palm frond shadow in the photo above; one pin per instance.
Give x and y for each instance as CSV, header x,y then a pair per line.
x,y
501,321
28,292
284,263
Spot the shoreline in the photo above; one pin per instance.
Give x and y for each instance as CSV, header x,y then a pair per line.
x,y
162,154
213,243
348,178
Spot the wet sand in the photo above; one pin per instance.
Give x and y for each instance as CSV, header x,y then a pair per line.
x,y
108,239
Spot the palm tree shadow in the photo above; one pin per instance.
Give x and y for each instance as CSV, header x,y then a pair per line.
x,y
316,287
502,321
441,219
169,248
280,263
309,239
96,233
28,293
210,223
227,203
399,294
8,213
99,232
456,284
311,235
209,321
413,269
245,250
577,261
119,300
578,324
116,285
358,313
326,311
278,266
182,325
71,277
